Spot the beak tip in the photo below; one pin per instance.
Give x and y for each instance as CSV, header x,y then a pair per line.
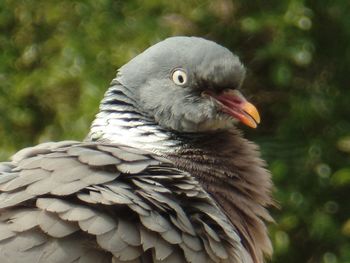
x,y
258,119
253,113
250,122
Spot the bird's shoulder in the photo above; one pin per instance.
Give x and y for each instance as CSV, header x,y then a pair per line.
x,y
127,201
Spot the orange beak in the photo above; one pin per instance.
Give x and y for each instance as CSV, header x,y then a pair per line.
x,y
234,104
252,117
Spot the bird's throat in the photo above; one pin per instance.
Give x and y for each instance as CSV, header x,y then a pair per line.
x,y
231,171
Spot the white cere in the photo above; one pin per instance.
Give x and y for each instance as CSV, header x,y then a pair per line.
x,y
179,77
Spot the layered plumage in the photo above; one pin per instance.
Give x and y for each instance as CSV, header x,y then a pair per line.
x,y
163,176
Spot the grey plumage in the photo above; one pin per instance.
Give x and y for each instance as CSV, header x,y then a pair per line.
x,y
165,224
163,175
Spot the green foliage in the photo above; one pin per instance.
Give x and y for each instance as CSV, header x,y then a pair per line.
x,y
58,57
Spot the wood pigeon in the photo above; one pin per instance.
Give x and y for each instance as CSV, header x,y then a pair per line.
x,y
163,176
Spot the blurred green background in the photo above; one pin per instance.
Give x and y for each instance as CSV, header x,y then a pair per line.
x,y
58,57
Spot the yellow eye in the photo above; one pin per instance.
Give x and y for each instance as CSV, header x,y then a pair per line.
x,y
179,77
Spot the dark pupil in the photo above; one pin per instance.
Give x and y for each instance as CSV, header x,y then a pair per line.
x,y
180,78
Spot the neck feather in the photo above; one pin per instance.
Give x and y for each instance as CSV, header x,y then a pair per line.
x,y
227,166
121,121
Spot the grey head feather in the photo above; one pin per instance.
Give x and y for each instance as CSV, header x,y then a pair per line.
x,y
148,77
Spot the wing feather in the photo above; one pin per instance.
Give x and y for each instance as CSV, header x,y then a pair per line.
x,y
92,202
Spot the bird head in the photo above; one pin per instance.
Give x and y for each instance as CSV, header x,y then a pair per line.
x,y
189,84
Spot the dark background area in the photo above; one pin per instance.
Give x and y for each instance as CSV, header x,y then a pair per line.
x,y
58,57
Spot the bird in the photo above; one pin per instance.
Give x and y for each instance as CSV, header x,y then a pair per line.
x,y
164,175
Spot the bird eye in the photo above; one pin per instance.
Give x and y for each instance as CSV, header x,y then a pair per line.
x,y
179,77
